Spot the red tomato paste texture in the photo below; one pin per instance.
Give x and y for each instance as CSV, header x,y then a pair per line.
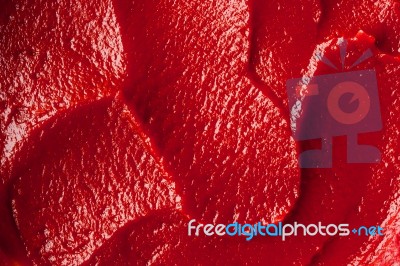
x,y
123,120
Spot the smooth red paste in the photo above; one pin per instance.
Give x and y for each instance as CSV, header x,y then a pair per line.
x,y
121,121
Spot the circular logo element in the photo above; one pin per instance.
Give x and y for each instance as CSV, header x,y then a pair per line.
x,y
359,93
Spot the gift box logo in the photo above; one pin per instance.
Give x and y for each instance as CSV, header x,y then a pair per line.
x,y
340,104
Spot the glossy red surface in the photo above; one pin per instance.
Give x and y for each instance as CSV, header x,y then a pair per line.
x,y
53,57
237,165
199,130
85,174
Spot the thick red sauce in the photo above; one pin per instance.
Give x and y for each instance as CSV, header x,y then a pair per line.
x,y
123,121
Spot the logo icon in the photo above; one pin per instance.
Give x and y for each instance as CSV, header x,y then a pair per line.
x,y
340,104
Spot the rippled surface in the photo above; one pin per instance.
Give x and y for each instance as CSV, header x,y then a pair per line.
x,y
201,131
86,174
227,145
